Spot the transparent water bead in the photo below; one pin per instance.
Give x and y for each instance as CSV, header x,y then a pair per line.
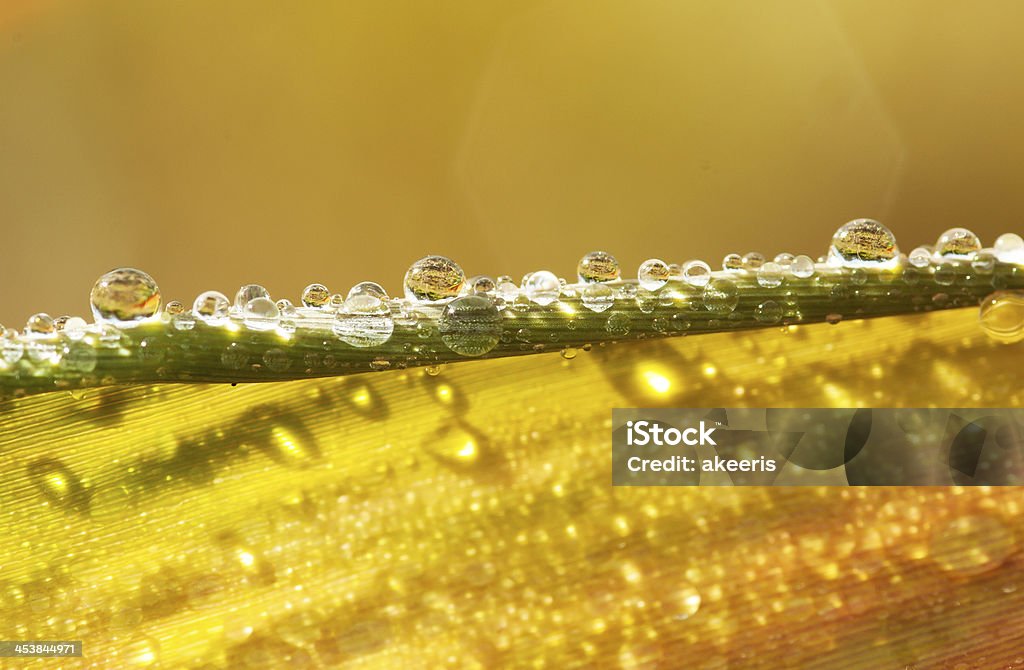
x,y
368,288
433,278
482,284
261,313
770,275
920,257
785,260
364,320
802,267
696,273
1009,248
81,357
598,266
470,326
1002,316
315,295
653,274
211,307
173,307
124,297
11,348
248,293
957,243
542,287
753,260
732,262
40,324
75,328
597,297
721,296
863,243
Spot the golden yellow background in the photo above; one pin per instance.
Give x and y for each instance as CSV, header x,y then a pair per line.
x,y
217,143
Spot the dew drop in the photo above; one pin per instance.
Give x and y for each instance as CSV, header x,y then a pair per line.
x,y
598,266
753,260
315,295
42,351
597,297
696,273
920,257
364,320
983,262
802,267
211,307
618,324
542,287
380,364
470,326
124,297
1002,316
248,293
721,296
59,484
653,274
945,274
40,324
75,328
368,288
81,357
285,306
785,260
11,348
646,301
173,307
569,353
682,603
957,243
863,242
260,313
1009,248
732,262
183,321
833,318
482,284
234,356
433,278
768,311
276,360
770,275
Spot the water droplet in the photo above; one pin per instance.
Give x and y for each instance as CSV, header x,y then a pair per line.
x,y
542,287
260,313
81,357
598,266
833,318
753,260
768,311
1002,316
732,262
863,242
183,321
315,295
569,353
364,320
124,296
234,357
770,275
75,328
276,360
433,278
802,267
380,364
1009,248
11,348
42,351
945,274
920,257
721,296
653,274
682,603
434,370
646,301
59,484
368,288
248,293
470,326
696,273
983,262
173,307
785,260
597,297
285,306
482,284
39,324
211,307
957,243
618,324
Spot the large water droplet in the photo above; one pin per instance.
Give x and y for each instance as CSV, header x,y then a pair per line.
x,y
211,307
957,243
1009,248
653,274
598,266
802,267
470,326
261,313
250,292
542,287
433,278
597,297
124,297
721,296
315,295
1002,316
863,242
696,273
364,321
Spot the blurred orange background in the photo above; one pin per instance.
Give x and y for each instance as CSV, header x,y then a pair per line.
x,y
214,144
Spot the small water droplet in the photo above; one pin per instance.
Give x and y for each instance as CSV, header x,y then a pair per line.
x,y
542,287
1002,316
276,360
618,324
285,306
802,267
470,326
569,353
368,288
433,370
433,278
261,313
983,262
920,257
59,484
1009,248
598,266
173,307
721,296
833,318
768,311
598,297
211,307
81,357
682,603
482,284
785,260
753,260
957,243
863,242
39,324
124,297
696,273
945,274
75,328
646,301
653,274
732,262
770,275
234,357
364,320
380,364
315,295
248,293
183,321
11,348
